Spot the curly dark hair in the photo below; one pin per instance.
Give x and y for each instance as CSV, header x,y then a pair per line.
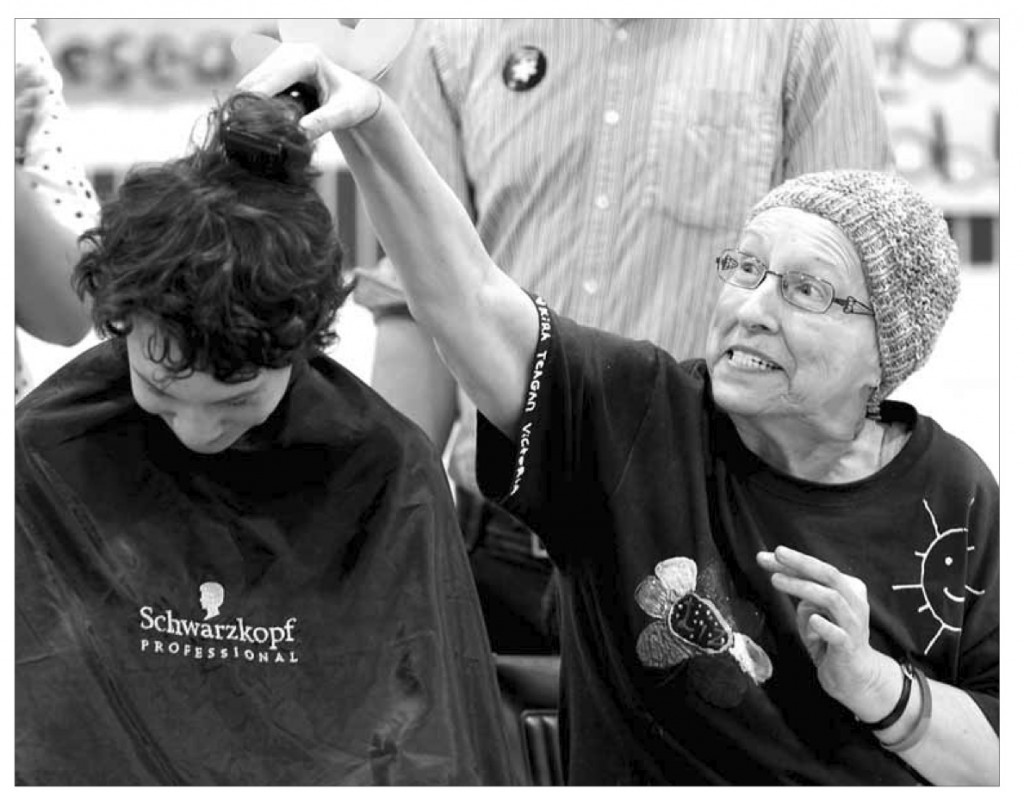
x,y
237,264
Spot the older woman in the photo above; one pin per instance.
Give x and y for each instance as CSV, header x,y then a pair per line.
x,y
770,573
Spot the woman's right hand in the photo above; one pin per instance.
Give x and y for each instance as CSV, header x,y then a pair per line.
x,y
484,325
346,99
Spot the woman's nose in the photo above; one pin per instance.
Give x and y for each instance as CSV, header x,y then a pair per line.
x,y
759,308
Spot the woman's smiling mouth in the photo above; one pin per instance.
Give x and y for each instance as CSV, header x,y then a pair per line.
x,y
745,360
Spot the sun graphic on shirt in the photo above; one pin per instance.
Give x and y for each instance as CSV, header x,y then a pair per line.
x,y
938,576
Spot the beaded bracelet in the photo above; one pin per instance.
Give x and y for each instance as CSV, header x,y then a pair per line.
x,y
920,726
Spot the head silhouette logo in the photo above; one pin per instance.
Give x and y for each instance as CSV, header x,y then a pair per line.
x,y
942,573
166,632
211,597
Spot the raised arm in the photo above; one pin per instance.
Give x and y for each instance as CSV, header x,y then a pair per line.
x,y
485,326
45,252
407,371
53,202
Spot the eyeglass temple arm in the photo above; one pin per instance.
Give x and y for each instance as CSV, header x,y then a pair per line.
x,y
851,306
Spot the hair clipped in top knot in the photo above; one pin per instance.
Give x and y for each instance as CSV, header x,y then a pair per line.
x,y
263,136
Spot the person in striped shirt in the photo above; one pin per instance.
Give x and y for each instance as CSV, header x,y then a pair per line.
x,y
605,162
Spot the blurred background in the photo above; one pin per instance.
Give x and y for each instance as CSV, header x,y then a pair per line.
x,y
137,89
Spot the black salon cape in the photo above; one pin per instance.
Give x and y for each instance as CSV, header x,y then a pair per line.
x,y
345,644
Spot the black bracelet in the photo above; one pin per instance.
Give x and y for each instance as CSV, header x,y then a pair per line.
x,y
901,706
920,727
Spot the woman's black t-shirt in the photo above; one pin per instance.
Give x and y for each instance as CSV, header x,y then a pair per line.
x,y
622,463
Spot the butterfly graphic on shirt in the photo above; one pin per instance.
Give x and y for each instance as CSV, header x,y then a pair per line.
x,y
688,625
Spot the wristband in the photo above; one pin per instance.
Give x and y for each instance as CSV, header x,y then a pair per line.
x,y
19,155
916,733
901,705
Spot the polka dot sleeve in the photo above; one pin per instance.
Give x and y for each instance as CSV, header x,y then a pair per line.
x,y
50,163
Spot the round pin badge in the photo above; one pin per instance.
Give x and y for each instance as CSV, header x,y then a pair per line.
x,y
524,69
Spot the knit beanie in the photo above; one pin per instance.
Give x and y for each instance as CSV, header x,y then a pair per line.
x,y
910,262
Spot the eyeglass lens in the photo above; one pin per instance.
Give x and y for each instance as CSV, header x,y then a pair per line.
x,y
800,289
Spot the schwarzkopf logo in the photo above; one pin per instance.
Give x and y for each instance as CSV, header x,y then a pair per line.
x,y
208,641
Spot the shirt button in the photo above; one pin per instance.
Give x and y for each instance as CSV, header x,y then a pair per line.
x,y
621,34
602,202
611,117
590,286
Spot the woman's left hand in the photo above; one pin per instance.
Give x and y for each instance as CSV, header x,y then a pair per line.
x,y
832,619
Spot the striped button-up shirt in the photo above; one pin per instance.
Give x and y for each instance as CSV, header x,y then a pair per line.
x,y
609,186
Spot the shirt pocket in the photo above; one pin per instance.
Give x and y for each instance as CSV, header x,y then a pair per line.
x,y
710,155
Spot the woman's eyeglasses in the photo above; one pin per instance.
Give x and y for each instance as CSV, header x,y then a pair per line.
x,y
799,289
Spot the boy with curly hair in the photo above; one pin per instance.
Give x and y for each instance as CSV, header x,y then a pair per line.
x,y
210,445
